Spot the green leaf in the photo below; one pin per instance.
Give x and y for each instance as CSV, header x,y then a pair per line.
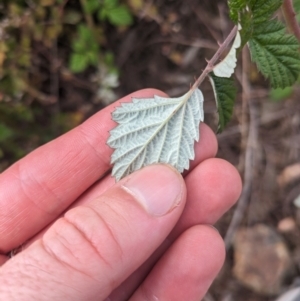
x,y
281,94
91,6
79,45
263,10
225,94
236,8
92,58
110,3
155,130
275,53
85,33
120,16
85,41
250,13
240,14
106,8
260,10
5,132
78,62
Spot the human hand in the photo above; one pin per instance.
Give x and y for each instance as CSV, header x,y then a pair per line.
x,y
145,238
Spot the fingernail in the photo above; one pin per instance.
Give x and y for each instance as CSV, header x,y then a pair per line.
x,y
213,227
158,188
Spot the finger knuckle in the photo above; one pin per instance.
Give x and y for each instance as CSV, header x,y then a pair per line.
x,y
97,232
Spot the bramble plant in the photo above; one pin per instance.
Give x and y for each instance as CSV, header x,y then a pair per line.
x,y
109,10
43,45
24,25
163,130
86,46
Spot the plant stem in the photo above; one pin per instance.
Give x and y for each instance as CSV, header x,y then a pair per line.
x,y
39,96
87,16
211,63
290,17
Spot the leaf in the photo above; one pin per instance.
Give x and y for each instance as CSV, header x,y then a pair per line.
x,y
79,45
102,14
275,53
235,9
228,64
78,62
280,94
225,94
263,10
91,6
120,16
155,130
85,32
5,132
110,3
84,40
92,58
260,10
251,12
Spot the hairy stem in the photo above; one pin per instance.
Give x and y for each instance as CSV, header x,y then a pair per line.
x,y
290,17
211,63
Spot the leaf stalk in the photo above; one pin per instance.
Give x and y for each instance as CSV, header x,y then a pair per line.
x,y
211,63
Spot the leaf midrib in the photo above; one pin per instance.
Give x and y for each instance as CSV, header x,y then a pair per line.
x,y
185,99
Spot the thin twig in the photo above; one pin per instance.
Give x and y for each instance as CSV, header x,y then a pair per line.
x,y
88,18
248,177
290,17
211,63
249,161
199,43
61,8
39,96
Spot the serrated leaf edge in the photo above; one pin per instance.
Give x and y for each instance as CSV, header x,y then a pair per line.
x,y
184,99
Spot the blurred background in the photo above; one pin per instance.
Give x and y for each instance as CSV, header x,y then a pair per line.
x,y
63,60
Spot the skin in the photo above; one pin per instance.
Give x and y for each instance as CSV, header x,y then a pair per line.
x,y
148,237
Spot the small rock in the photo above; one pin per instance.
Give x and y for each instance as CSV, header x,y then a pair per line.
x,y
261,259
289,175
286,225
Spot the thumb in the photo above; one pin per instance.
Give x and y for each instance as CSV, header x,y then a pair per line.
x,y
94,248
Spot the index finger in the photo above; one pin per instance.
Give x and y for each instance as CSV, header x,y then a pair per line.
x,y
39,187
